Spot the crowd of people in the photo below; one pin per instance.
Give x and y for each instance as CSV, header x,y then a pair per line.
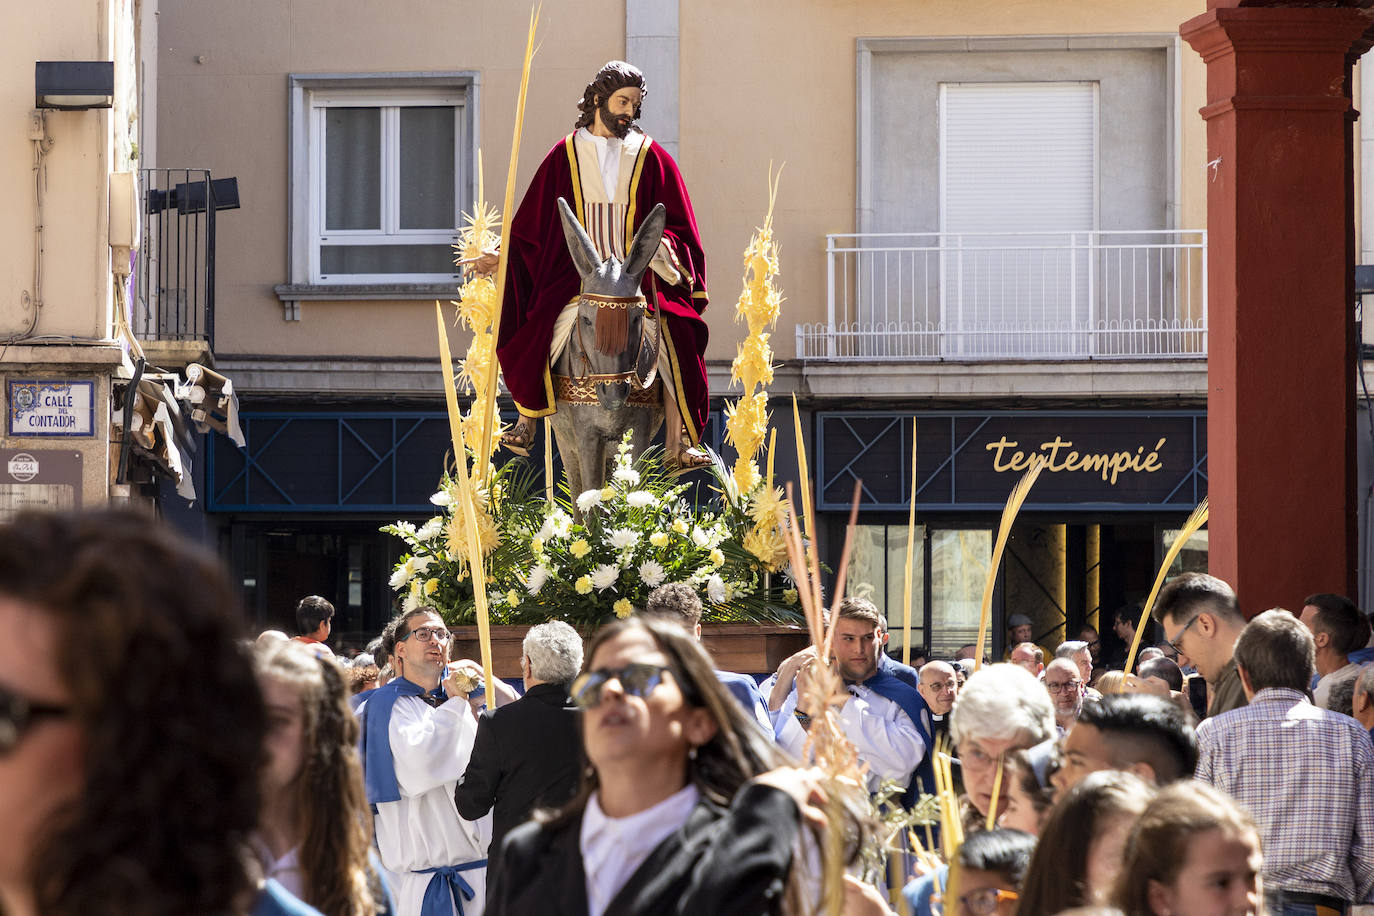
x,y
153,760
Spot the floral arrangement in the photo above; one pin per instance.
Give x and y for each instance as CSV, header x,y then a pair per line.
x,y
638,532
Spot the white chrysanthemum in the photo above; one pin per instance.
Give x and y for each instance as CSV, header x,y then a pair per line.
x,y
700,537
415,597
545,530
604,576
588,499
651,573
431,529
715,589
441,498
627,476
402,575
624,538
640,499
421,563
538,576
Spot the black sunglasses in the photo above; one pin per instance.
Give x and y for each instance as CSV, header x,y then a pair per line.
x,y
637,680
17,714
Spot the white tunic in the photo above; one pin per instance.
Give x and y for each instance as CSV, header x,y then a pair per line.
x,y
431,747
884,735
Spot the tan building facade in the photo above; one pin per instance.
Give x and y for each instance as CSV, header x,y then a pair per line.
x,y
58,289
991,219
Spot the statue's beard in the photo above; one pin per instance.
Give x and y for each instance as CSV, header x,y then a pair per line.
x,y
619,125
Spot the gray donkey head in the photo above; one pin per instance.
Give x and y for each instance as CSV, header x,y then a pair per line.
x,y
609,339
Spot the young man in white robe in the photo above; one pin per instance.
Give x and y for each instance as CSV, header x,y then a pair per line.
x,y
417,739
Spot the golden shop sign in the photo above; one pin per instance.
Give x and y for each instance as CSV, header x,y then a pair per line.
x,y
1059,455
1095,460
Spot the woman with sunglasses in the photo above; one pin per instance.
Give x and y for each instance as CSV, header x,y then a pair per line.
x,y
417,736
130,725
670,817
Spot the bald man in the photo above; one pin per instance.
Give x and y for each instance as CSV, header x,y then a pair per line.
x,y
1065,683
938,685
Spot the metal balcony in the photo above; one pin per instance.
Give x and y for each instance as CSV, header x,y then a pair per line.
x,y
174,287
1012,296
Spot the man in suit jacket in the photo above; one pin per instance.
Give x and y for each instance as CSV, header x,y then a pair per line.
x,y
527,754
679,602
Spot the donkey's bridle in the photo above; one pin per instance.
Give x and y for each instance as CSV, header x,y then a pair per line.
x,y
632,375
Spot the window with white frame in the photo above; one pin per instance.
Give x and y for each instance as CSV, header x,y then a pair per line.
x,y
379,178
386,172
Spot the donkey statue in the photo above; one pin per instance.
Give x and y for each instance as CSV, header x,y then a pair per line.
x,y
605,379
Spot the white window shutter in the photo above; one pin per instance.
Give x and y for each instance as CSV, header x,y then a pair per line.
x,y
1017,158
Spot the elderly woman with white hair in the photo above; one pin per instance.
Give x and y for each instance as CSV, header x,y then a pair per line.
x,y
1001,709
527,754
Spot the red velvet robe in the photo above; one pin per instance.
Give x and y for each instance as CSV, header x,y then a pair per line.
x,y
541,279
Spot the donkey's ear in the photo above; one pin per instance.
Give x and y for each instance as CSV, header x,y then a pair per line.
x,y
580,246
646,241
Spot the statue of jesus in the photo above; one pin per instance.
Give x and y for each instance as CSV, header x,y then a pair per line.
x,y
612,174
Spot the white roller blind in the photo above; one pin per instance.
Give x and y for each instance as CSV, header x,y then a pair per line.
x,y
1017,158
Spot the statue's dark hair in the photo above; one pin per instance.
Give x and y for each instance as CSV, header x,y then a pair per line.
x,y
170,710
614,76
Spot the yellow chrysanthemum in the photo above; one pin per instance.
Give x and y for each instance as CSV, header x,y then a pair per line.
x,y
456,533
431,586
580,548
512,597
768,508
767,546
623,608
790,595
583,585
659,539
679,526
746,474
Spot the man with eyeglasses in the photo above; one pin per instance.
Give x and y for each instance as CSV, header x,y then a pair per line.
x,y
1065,687
1202,622
417,737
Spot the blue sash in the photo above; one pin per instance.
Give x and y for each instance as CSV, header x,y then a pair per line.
x,y
891,687
374,744
447,882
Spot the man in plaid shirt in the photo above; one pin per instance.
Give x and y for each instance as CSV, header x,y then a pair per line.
x,y
1306,774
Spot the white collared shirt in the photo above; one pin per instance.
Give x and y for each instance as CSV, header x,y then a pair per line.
x,y
608,156
613,847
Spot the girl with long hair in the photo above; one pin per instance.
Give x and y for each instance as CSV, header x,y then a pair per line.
x,y
130,723
1194,852
313,834
1080,848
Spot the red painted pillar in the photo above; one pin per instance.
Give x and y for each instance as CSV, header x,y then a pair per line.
x,y
1280,223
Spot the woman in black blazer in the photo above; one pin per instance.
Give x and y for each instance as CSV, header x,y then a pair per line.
x,y
669,818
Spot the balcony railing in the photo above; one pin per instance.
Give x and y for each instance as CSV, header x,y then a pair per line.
x,y
1036,295
174,294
